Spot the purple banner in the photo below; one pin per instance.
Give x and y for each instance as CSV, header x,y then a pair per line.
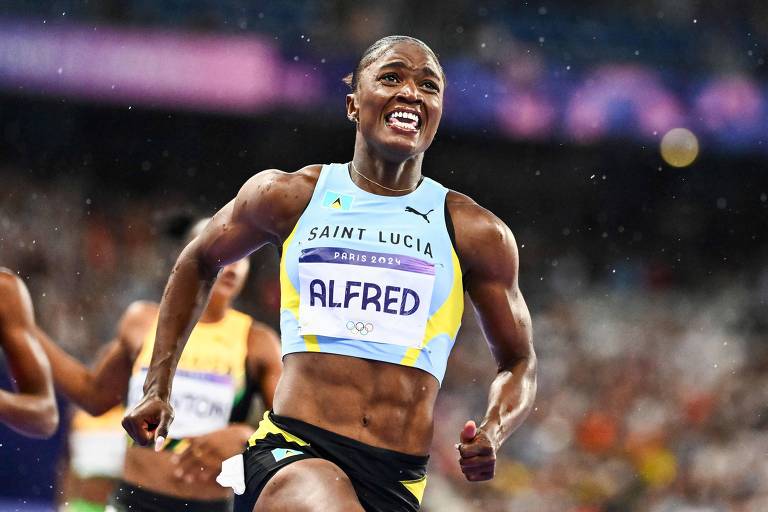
x,y
246,74
345,256
146,67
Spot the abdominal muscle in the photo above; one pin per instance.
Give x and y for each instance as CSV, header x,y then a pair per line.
x,y
153,471
380,404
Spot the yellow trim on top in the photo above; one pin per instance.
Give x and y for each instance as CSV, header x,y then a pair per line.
x,y
310,340
416,487
446,320
289,296
267,427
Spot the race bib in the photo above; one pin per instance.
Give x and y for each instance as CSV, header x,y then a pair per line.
x,y
202,402
364,295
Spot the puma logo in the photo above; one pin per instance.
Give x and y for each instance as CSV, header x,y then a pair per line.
x,y
423,215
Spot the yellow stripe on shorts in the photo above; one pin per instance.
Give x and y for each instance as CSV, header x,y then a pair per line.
x,y
267,427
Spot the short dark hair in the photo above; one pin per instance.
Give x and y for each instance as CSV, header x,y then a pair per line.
x,y
376,49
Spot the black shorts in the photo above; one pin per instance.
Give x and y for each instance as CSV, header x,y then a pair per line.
x,y
384,480
129,498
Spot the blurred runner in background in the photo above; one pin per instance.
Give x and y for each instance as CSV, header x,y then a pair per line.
x,y
211,393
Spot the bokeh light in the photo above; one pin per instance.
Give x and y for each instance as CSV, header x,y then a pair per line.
x,y
679,147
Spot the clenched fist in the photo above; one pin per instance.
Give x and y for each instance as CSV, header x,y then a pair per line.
x,y
477,453
149,421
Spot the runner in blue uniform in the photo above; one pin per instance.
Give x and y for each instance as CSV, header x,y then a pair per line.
x,y
375,262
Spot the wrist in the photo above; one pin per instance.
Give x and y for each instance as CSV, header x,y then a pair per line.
x,y
157,390
494,431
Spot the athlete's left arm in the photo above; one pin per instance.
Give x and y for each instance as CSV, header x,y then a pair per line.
x,y
264,361
489,257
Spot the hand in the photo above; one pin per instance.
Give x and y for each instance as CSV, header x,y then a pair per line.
x,y
149,421
202,459
477,453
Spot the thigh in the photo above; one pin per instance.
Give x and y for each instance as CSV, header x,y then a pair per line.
x,y
308,485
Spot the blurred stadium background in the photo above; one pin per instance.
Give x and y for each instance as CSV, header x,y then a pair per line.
x,y
120,120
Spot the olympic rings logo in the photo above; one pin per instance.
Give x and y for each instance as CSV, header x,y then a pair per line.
x,y
359,327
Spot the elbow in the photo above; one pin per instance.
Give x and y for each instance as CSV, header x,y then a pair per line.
x,y
99,406
206,265
51,424
46,422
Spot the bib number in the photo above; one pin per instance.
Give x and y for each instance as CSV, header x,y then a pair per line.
x,y
364,295
201,402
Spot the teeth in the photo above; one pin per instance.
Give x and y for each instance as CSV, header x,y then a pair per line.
x,y
405,115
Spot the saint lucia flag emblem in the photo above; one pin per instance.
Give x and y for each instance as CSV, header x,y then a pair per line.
x,y
282,453
337,201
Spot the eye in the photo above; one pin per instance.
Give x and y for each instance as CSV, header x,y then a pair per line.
x,y
390,77
429,84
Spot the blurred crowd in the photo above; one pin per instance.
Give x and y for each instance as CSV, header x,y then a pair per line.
x,y
649,399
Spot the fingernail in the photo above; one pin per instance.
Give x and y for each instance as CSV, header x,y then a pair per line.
x,y
178,473
159,440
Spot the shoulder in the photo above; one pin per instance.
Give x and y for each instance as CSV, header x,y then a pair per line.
x,y
136,321
261,329
281,189
10,282
260,333
274,195
15,301
255,328
483,240
274,180
263,342
141,311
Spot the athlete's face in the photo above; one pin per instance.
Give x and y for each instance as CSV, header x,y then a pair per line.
x,y
231,280
399,101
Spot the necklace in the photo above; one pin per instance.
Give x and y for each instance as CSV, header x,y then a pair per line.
x,y
366,178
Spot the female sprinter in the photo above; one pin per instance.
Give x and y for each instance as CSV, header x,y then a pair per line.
x,y
225,347
375,262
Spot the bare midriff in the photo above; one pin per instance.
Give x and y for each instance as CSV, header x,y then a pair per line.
x,y
381,404
153,471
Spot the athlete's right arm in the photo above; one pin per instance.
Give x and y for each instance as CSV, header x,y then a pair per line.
x,y
256,216
32,409
105,384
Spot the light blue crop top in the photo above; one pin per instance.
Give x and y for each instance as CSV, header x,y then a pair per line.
x,y
372,276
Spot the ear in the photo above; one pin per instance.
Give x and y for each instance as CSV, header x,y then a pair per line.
x,y
352,110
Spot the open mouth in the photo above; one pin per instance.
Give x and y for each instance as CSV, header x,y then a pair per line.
x,y
405,120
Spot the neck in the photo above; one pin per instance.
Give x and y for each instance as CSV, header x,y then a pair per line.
x,y
402,175
215,310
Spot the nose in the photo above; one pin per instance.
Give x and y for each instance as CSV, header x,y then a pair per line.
x,y
409,92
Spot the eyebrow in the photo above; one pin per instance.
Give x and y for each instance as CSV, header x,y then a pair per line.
x,y
427,70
